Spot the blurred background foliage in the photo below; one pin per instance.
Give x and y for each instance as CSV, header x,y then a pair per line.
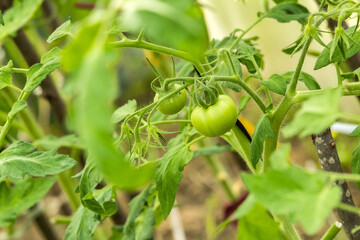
x,y
199,194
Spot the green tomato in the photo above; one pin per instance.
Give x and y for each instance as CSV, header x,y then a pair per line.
x,y
216,119
173,104
336,16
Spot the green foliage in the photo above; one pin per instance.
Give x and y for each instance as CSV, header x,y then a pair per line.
x,y
211,150
18,106
51,142
96,130
84,222
334,54
184,19
5,75
287,11
61,32
137,206
23,195
20,159
122,112
38,72
355,162
1,19
276,83
17,16
262,131
319,110
258,225
169,172
305,196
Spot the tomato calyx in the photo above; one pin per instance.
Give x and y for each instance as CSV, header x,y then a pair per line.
x,y
211,94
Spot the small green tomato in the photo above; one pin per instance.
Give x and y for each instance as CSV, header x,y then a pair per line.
x,y
174,104
217,119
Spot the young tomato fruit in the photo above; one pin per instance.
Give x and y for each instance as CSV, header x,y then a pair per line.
x,y
216,119
174,104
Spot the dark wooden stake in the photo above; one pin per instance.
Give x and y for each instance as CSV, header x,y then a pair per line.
x,y
330,162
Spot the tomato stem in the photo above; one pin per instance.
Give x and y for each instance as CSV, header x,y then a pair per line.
x,y
332,231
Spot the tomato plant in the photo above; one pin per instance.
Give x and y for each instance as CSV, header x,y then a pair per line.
x,y
77,112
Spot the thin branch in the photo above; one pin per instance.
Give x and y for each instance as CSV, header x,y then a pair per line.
x,y
329,160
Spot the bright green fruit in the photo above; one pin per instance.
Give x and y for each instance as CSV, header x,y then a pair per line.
x,y
216,119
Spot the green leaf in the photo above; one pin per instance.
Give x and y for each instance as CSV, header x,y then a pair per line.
x,y
90,178
183,19
145,225
108,208
310,81
355,163
324,58
169,172
305,196
279,159
20,159
137,205
18,15
287,11
38,72
93,88
122,112
207,151
276,83
84,222
5,75
52,142
23,195
315,115
246,51
62,31
259,225
18,106
262,131
1,19
243,101
356,132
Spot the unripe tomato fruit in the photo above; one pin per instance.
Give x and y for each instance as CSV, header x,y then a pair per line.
x,y
217,119
174,104
336,16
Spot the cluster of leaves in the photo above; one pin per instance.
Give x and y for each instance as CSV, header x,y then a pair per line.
x,y
290,193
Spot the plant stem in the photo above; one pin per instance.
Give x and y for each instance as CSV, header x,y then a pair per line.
x,y
338,74
288,228
349,208
244,33
350,117
332,231
261,78
157,48
20,70
68,188
343,176
247,89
